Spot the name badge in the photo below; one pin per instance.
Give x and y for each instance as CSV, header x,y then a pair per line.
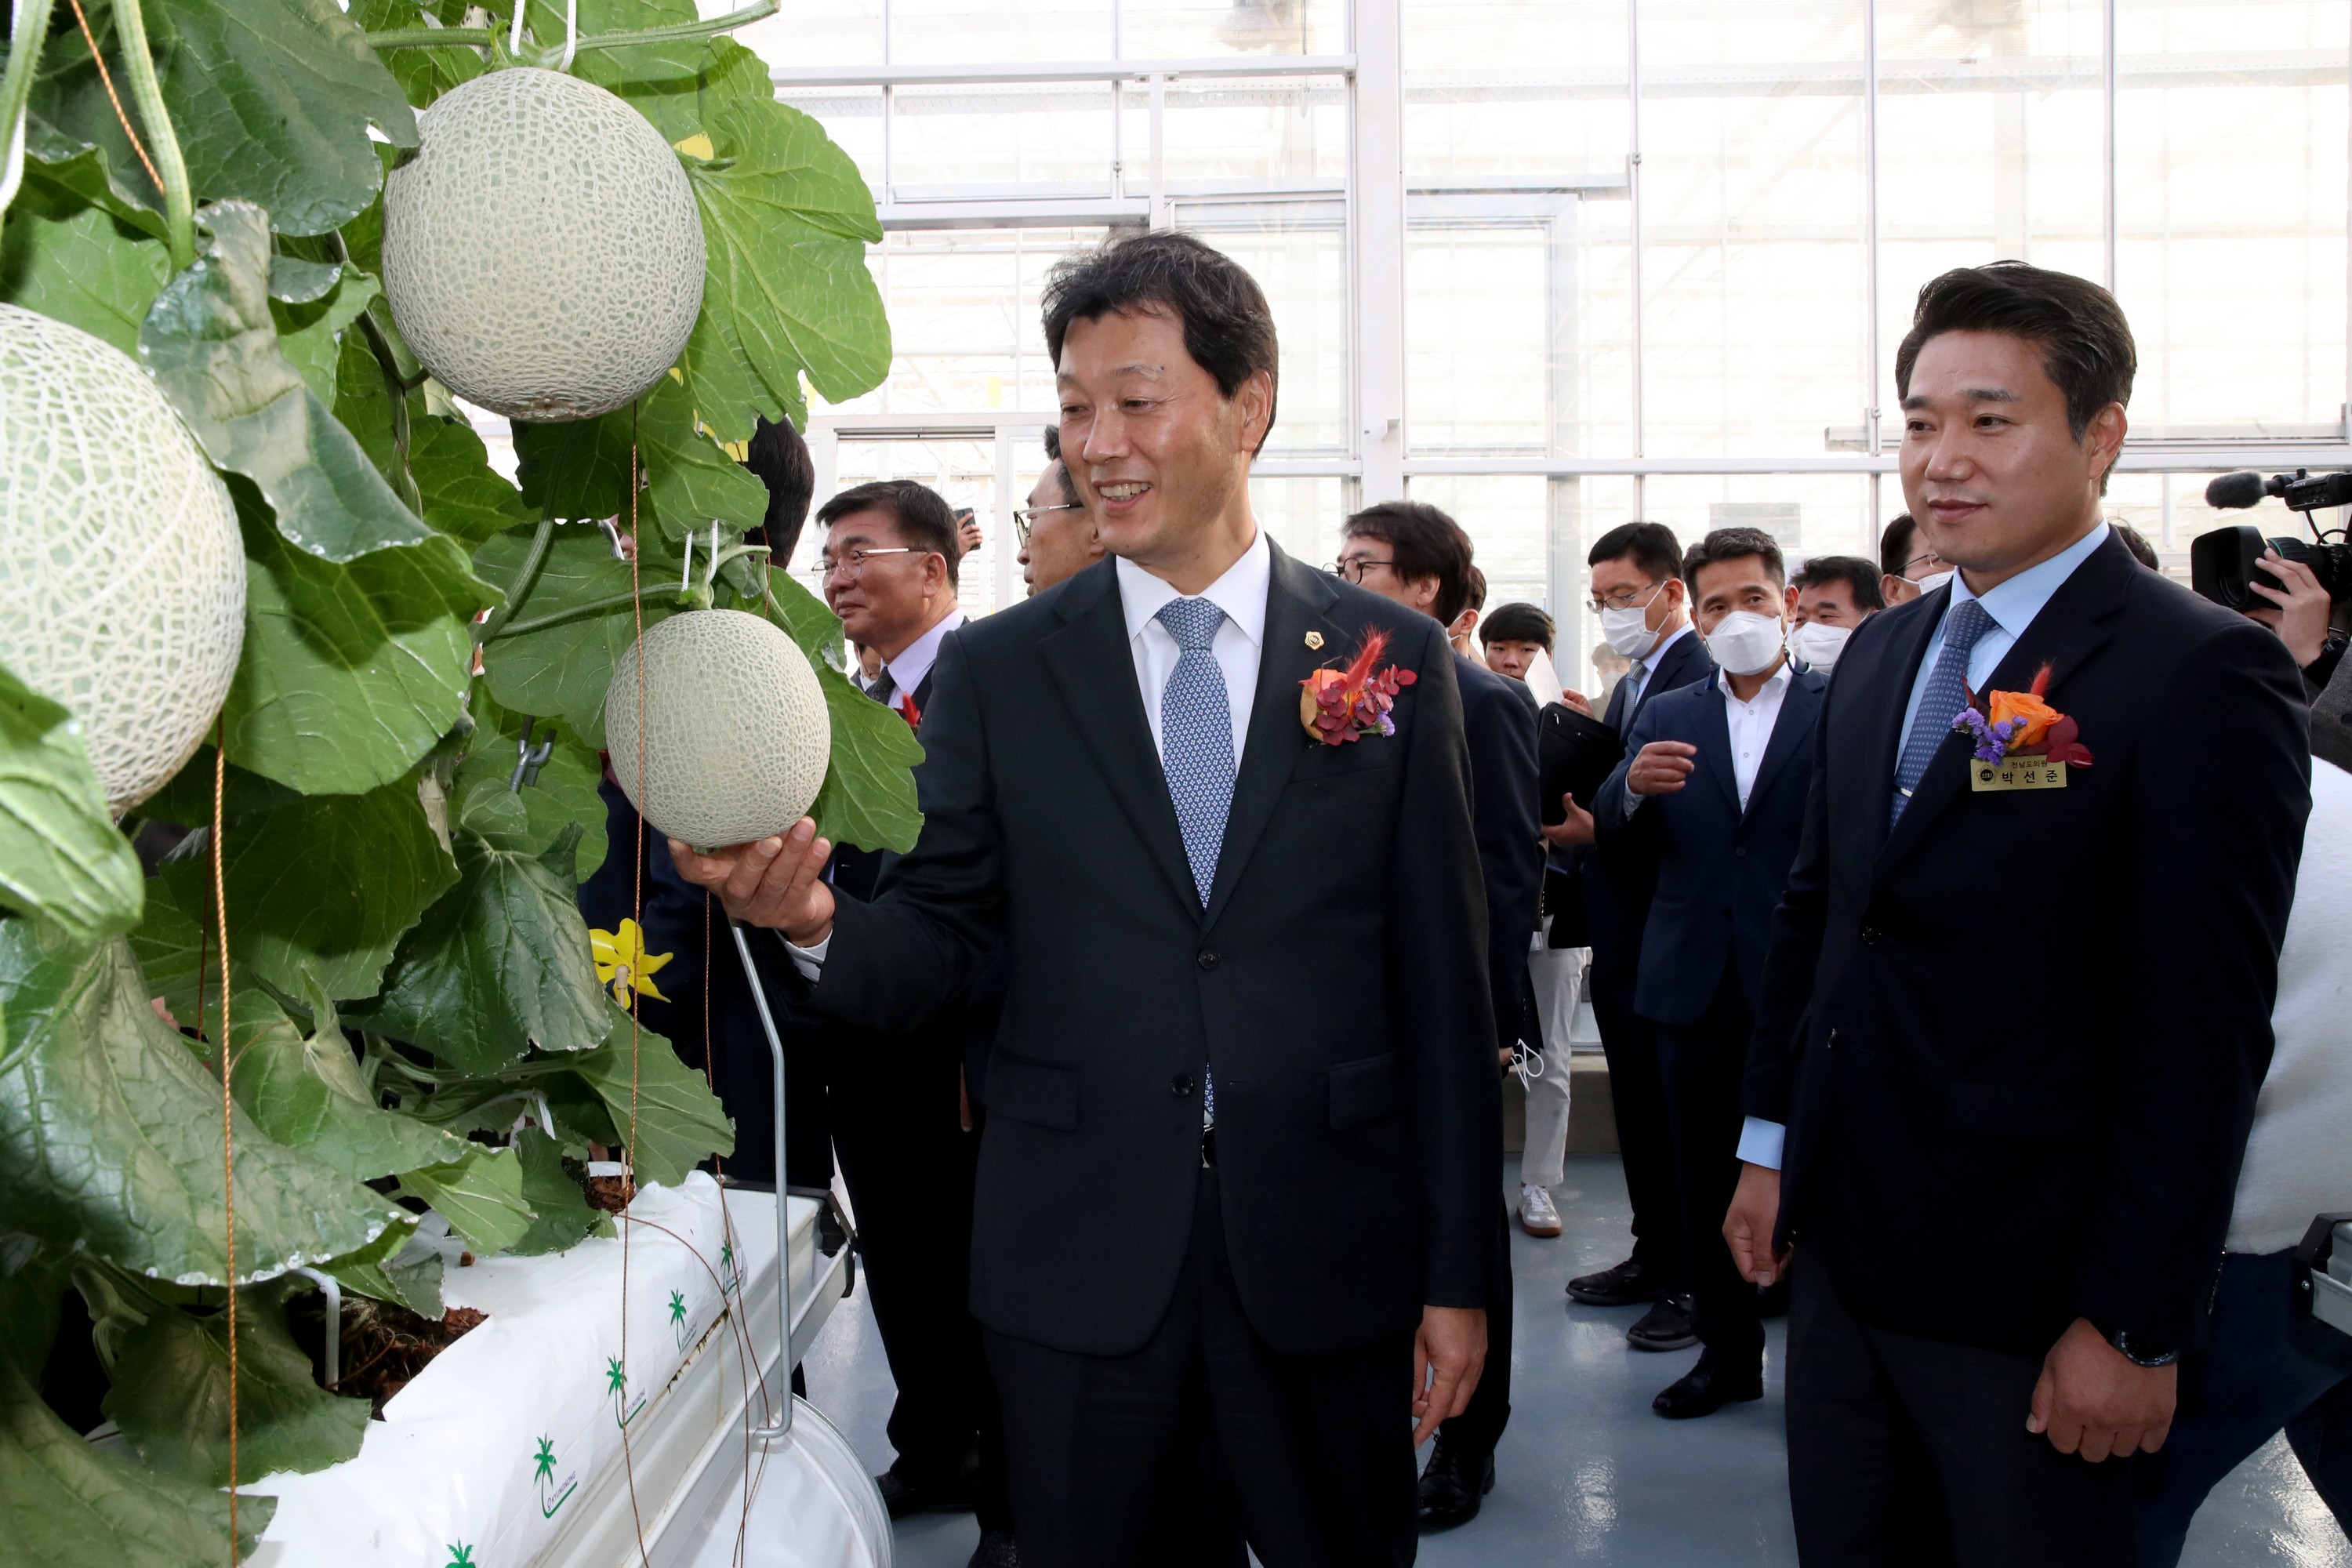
x,y
2017,772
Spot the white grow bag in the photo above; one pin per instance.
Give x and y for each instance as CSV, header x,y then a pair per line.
x,y
508,1450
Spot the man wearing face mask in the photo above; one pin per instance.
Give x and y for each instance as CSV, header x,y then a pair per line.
x,y
1639,594
1908,565
1716,773
1829,598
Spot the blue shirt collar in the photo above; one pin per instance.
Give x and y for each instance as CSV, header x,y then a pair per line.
x,y
2013,604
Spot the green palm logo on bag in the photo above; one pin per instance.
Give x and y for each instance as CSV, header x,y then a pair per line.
x,y
678,1317
542,1472
461,1557
616,1384
729,1279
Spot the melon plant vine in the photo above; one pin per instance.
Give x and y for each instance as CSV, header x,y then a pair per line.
x,y
417,1022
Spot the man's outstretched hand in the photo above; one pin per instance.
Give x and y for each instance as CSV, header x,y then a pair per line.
x,y
1447,1355
775,882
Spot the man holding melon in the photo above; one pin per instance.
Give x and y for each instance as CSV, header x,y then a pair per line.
x,y
1238,1169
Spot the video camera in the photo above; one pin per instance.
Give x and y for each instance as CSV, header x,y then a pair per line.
x,y
2222,561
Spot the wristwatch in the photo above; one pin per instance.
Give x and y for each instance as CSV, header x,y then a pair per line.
x,y
2136,1349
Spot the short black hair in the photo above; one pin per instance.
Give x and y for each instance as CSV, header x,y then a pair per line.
x,y
1652,545
1228,326
1476,597
1425,543
921,514
1516,623
1894,544
1860,576
780,459
1053,442
1060,470
1734,544
2137,543
2086,342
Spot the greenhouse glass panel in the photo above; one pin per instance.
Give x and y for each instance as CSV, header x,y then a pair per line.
x,y
1298,256
1514,89
1038,140
1212,29
958,32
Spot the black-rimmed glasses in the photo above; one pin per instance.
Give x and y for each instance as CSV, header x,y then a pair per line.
x,y
1352,569
852,564
1026,517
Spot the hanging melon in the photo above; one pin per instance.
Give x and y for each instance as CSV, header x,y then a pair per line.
x,y
123,585
541,252
736,737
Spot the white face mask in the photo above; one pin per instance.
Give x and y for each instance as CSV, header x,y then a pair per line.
x,y
1818,646
1628,630
1932,581
1746,643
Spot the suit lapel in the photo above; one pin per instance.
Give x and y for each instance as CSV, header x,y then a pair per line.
x,y
2069,629
1095,671
1715,745
1297,600
1665,675
1799,704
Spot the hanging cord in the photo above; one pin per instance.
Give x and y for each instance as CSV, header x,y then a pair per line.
x,y
228,1116
106,79
571,32
629,1150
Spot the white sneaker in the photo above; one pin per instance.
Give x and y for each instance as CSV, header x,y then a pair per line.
x,y
1537,1217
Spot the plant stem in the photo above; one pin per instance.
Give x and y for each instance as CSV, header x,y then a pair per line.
x,y
25,41
603,606
525,578
403,482
481,37
179,203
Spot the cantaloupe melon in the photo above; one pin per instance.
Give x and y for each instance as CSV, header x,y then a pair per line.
x,y
736,738
123,577
541,252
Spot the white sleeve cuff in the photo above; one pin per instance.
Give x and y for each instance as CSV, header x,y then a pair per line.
x,y
808,961
1760,1142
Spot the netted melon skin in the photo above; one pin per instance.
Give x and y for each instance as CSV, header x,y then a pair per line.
x,y
122,581
736,737
541,252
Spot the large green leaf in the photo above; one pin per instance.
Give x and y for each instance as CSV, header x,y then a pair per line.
x,y
579,467
171,1395
380,1269
868,798
500,964
671,84
565,1216
65,1502
110,1132
321,889
349,672
310,331
688,478
423,74
83,172
212,345
61,856
463,496
786,217
80,265
480,1194
563,671
678,1121
308,1092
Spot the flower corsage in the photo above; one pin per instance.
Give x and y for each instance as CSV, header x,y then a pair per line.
x,y
2017,741
1337,706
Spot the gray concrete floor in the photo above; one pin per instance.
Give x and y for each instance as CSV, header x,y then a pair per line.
x,y
1586,1473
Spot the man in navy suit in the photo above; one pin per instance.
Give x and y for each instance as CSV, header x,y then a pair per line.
x,y
1413,553
1639,593
1719,770
2014,1018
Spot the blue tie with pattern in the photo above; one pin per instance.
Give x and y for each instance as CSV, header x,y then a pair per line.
x,y
1947,694
1196,752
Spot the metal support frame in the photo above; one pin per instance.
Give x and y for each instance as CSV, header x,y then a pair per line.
x,y
1376,170
782,1428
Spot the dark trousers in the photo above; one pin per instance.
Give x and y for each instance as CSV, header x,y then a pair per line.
x,y
910,1167
1644,1139
1103,1450
1480,1426
1912,1453
2268,1367
1701,1066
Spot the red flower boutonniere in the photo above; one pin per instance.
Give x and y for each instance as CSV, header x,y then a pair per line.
x,y
2019,742
1337,706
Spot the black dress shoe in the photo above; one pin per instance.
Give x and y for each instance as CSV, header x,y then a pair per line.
x,y
1454,1485
995,1551
1707,1388
1664,1327
906,1491
1623,1286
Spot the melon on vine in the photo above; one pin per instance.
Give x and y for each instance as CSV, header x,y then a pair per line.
x,y
736,738
122,581
541,252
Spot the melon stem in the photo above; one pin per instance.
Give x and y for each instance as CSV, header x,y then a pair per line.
x,y
526,577
603,607
179,205
32,30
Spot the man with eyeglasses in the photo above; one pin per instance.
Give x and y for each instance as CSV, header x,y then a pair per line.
x,y
1908,565
1058,540
1639,594
891,558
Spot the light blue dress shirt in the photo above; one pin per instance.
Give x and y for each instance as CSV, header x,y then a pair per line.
x,y
2012,606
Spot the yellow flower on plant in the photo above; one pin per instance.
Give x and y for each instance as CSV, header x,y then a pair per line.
x,y
624,965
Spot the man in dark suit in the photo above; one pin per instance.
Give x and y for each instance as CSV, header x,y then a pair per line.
x,y
2013,1018
1719,770
1413,554
1243,1135
1639,593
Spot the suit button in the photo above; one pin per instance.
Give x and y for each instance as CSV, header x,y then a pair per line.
x,y
1181,1086
1208,959
1870,935
1741,850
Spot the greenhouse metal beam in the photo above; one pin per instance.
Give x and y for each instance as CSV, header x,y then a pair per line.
x,y
2152,458
789,77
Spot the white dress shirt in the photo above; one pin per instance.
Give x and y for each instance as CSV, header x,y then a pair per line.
x,y
2012,606
1649,663
1750,723
913,666
1240,640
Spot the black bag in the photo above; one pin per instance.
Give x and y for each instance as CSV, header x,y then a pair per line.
x,y
1574,755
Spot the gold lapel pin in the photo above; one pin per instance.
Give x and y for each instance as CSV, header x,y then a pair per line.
x,y
1315,640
